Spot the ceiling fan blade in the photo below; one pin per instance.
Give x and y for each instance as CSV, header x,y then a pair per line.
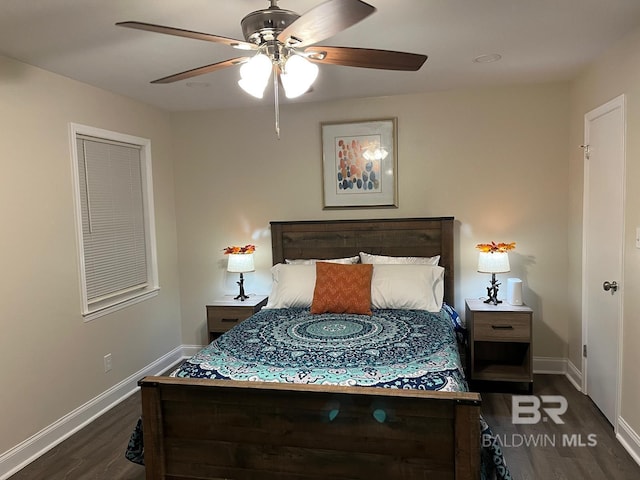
x,y
324,21
232,42
201,70
366,58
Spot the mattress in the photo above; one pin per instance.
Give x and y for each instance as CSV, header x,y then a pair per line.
x,y
392,348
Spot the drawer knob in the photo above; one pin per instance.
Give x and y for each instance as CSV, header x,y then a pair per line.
x,y
229,320
502,327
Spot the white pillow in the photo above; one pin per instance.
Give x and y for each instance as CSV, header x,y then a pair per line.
x,y
384,259
407,287
312,261
293,286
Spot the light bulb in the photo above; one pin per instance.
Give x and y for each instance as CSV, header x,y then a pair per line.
x,y
253,87
298,75
254,75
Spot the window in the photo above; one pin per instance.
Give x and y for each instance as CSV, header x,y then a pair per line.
x,y
114,218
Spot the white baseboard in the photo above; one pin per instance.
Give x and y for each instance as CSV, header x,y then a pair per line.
x,y
559,366
574,375
629,439
29,450
191,350
552,365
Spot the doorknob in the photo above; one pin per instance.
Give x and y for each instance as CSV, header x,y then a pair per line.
x,y
613,286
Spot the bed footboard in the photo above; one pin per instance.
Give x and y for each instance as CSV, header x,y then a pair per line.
x,y
210,429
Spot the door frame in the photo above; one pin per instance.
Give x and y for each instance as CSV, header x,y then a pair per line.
x,y
618,102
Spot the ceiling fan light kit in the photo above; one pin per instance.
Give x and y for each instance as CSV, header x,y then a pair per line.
x,y
296,72
283,42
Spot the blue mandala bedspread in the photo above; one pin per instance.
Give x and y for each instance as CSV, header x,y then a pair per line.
x,y
407,349
391,348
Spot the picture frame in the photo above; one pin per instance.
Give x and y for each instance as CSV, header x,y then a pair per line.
x,y
360,164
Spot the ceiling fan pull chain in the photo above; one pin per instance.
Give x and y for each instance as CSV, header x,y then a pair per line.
x,y
277,106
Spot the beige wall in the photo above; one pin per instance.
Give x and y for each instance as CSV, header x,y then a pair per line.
x,y
615,73
52,361
496,159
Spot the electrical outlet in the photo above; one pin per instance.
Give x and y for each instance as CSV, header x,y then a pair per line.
x,y
107,362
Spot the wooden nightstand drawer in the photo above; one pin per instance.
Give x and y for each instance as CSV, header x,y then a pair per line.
x,y
502,327
224,318
226,313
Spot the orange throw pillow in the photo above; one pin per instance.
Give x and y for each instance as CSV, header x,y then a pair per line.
x,y
342,288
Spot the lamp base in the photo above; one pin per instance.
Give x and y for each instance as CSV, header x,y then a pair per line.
x,y
492,291
241,296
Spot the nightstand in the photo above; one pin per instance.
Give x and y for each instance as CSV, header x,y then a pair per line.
x,y
225,313
500,342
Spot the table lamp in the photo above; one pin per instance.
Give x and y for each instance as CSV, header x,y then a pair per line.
x,y
493,262
241,263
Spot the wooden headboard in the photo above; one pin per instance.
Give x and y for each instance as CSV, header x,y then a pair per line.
x,y
322,239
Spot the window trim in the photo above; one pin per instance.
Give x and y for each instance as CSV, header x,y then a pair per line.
x,y
93,310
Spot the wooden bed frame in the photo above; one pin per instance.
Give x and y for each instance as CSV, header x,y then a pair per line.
x,y
211,429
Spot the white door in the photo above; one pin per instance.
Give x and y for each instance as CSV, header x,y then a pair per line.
x,y
603,248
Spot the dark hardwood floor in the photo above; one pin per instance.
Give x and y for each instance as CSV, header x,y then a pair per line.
x,y
97,451
557,451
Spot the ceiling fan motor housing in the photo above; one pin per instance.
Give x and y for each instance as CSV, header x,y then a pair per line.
x,y
264,25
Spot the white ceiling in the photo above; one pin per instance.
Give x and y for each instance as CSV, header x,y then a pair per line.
x,y
539,40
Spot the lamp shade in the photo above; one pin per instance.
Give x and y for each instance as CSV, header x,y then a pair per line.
x,y
493,262
298,75
240,263
254,75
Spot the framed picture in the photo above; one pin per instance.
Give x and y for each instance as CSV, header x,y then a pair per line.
x,y
359,164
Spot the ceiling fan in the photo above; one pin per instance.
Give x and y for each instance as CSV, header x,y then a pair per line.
x,y
284,44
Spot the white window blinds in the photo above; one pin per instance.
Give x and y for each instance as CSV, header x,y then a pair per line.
x,y
113,227
113,218
113,192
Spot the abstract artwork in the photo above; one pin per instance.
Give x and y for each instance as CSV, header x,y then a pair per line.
x,y
359,164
